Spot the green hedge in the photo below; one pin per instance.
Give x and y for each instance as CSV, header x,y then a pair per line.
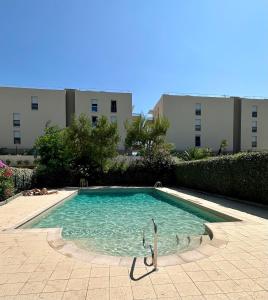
x,y
243,175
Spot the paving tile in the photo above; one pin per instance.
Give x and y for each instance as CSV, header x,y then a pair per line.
x,y
198,276
61,274
98,282
99,272
253,273
118,271
191,267
263,282
217,297
143,281
77,284
33,287
8,289
97,294
239,296
208,288
51,296
121,293
165,290
160,278
143,292
76,295
217,275
18,277
229,286
248,285
180,277
55,286
120,281
262,295
187,289
39,276
80,273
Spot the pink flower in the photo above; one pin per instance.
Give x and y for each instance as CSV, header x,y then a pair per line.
x,y
2,165
8,172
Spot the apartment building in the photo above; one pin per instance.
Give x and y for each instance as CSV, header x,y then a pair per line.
x,y
198,121
25,112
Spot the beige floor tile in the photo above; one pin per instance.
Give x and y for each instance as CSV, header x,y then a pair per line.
x,y
28,268
248,285
23,297
77,284
51,296
99,272
217,275
80,273
229,286
180,277
191,267
143,292
98,282
217,297
40,276
33,287
262,295
120,281
55,286
263,282
8,289
62,274
197,297
118,271
239,296
143,281
98,294
187,289
160,278
76,295
174,269
253,273
198,276
18,277
165,290
121,293
208,288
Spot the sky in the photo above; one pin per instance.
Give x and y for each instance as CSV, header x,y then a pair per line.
x,y
147,47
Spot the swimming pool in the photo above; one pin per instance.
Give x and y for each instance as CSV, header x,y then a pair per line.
x,y
112,220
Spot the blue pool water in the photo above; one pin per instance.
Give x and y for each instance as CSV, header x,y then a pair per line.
x,y
111,221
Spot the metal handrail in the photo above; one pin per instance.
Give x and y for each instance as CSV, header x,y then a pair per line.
x,y
154,249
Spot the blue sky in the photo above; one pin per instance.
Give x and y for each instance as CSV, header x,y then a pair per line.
x,y
148,47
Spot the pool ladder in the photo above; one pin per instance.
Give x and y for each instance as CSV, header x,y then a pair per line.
x,y
154,249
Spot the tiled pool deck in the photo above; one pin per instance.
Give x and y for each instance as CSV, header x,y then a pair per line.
x,y
31,269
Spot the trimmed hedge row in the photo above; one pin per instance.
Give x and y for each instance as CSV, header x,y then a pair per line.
x,y
243,175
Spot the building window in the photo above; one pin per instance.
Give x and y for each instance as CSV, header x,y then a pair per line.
x,y
198,109
16,119
113,119
254,142
34,102
17,139
94,105
197,141
254,111
113,106
94,120
254,126
197,125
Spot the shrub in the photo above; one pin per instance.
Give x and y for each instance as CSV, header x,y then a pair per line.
x,y
243,175
19,162
6,182
196,153
22,178
8,162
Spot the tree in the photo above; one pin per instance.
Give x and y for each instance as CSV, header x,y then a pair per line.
x,y
78,140
90,146
105,138
145,135
51,148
